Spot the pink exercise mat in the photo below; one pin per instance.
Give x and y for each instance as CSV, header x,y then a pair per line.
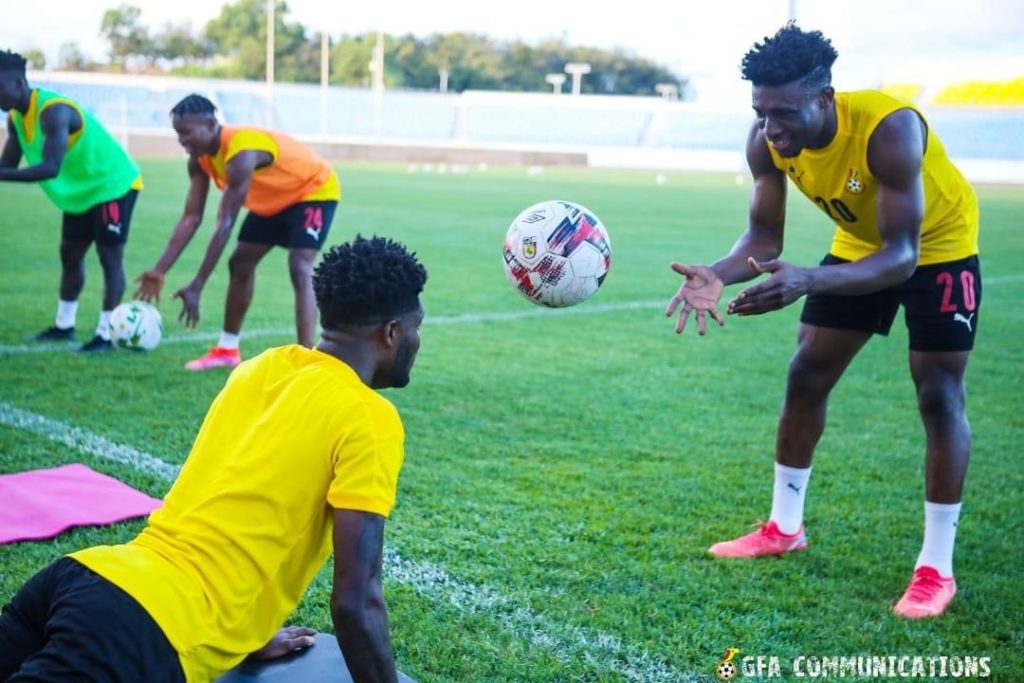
x,y
44,503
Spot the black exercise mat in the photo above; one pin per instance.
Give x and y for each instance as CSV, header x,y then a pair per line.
x,y
321,663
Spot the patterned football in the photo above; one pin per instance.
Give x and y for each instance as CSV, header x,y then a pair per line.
x,y
557,253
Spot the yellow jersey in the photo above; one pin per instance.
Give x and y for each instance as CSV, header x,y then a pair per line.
x,y
837,179
248,523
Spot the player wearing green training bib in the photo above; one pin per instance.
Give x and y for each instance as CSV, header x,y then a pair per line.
x,y
86,173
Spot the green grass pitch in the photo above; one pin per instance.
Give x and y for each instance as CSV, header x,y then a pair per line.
x,y
565,474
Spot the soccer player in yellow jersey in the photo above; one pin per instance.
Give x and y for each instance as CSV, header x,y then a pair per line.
x,y
906,234
297,455
291,195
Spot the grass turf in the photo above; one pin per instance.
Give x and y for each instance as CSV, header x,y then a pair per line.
x,y
576,466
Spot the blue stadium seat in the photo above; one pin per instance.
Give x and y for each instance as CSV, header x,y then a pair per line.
x,y
554,123
977,133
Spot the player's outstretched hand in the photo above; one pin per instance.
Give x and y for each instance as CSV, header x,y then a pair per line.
x,y
786,284
698,294
150,284
287,640
189,296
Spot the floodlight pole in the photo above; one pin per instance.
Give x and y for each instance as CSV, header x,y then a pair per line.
x,y
270,61
325,72
377,82
442,73
377,65
556,81
577,70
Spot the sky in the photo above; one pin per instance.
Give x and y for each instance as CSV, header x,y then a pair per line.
x,y
879,41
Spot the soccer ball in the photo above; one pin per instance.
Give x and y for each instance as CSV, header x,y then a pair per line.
x,y
136,325
725,671
557,253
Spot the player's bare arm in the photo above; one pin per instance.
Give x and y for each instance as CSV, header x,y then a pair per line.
x,y
58,122
151,282
702,289
895,154
765,233
239,176
357,598
11,156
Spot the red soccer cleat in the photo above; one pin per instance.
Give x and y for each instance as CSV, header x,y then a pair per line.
x,y
767,540
927,595
216,357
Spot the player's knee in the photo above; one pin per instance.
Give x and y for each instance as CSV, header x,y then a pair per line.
x,y
72,255
72,263
803,385
301,272
240,266
111,259
809,375
941,400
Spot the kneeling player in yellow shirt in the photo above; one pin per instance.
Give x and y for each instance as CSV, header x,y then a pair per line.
x,y
297,455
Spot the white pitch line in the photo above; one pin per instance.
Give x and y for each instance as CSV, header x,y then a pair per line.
x,y
568,643
465,318
84,441
187,337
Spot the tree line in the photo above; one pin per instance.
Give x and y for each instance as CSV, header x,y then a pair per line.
x,y
233,45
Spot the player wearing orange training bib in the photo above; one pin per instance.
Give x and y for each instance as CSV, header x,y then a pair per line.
x,y
291,195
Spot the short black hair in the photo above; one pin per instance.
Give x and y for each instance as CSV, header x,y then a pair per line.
x,y
194,104
12,61
791,55
367,281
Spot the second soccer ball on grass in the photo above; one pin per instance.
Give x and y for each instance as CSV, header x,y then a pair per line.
x,y
136,325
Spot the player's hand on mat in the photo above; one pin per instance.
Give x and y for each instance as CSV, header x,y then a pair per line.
x,y
699,294
786,284
287,640
150,284
189,296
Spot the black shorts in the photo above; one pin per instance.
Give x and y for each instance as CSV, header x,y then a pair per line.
x,y
940,306
106,223
67,623
301,226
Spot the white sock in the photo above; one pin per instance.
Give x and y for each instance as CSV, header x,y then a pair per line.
x,y
788,497
228,340
67,312
939,535
103,328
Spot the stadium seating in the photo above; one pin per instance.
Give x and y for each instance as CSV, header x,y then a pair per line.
x,y
706,129
983,94
976,120
553,122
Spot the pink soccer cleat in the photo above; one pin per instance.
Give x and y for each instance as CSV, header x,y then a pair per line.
x,y
216,357
927,595
767,540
